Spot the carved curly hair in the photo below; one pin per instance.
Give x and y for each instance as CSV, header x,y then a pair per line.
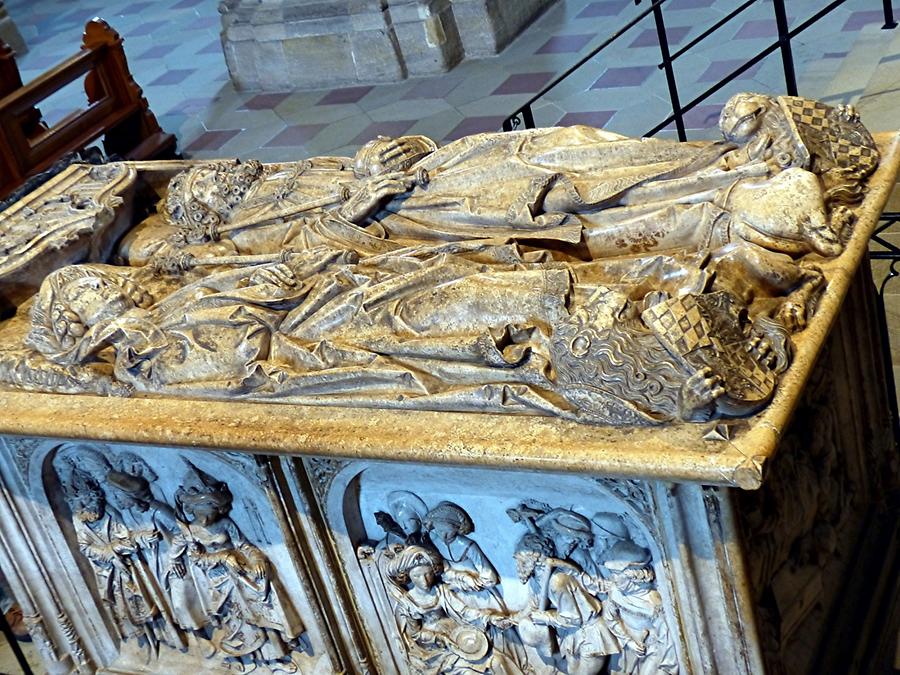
x,y
198,218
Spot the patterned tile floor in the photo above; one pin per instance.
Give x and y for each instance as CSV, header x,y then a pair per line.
x,y
174,53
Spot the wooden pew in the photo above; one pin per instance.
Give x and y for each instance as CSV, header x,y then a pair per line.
x,y
116,110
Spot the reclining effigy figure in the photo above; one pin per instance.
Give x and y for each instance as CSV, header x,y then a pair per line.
x,y
566,271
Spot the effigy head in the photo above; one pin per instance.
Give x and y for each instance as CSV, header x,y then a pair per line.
x,y
200,199
448,520
742,116
74,300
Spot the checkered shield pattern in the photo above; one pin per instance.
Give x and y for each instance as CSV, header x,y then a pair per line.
x,y
842,143
679,323
742,373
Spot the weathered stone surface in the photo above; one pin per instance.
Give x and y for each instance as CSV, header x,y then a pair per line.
x,y
161,531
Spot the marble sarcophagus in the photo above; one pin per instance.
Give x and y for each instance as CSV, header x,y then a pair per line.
x,y
550,401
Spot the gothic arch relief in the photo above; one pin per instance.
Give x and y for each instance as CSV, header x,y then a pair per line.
x,y
455,573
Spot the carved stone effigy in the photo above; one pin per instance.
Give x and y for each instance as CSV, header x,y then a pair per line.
x,y
641,429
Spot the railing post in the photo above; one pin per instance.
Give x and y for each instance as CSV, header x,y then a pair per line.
x,y
512,122
889,15
663,40
784,39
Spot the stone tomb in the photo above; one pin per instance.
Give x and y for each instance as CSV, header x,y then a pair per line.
x,y
159,513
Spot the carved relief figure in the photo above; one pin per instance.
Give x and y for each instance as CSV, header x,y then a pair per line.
x,y
592,603
124,577
610,280
155,524
183,576
250,616
402,524
443,632
636,617
563,620
606,574
437,566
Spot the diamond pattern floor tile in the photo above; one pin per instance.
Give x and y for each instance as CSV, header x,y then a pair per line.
x,y
212,140
297,134
176,57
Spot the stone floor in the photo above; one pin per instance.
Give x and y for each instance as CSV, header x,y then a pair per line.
x,y
174,53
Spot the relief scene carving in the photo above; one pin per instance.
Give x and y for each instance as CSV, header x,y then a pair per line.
x,y
568,272
177,575
586,603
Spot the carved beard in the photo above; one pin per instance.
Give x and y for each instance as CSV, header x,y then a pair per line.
x,y
525,567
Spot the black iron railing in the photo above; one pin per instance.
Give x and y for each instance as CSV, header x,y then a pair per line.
x,y
882,249
523,117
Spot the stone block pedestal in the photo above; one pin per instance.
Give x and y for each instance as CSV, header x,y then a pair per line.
x,y
308,44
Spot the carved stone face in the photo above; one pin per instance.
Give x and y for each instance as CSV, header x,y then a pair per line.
x,y
408,520
95,299
206,513
422,577
742,116
444,531
566,545
91,507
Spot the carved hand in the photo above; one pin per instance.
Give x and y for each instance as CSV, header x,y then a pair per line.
x,y
277,275
258,569
373,193
501,621
699,393
540,617
178,569
848,113
761,350
397,151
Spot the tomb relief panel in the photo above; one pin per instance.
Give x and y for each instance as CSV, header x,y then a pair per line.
x,y
185,560
454,573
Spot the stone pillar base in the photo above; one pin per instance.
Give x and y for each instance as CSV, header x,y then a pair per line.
x,y
308,44
488,26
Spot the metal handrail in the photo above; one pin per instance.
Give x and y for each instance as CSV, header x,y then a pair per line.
x,y
525,115
712,29
737,72
511,122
